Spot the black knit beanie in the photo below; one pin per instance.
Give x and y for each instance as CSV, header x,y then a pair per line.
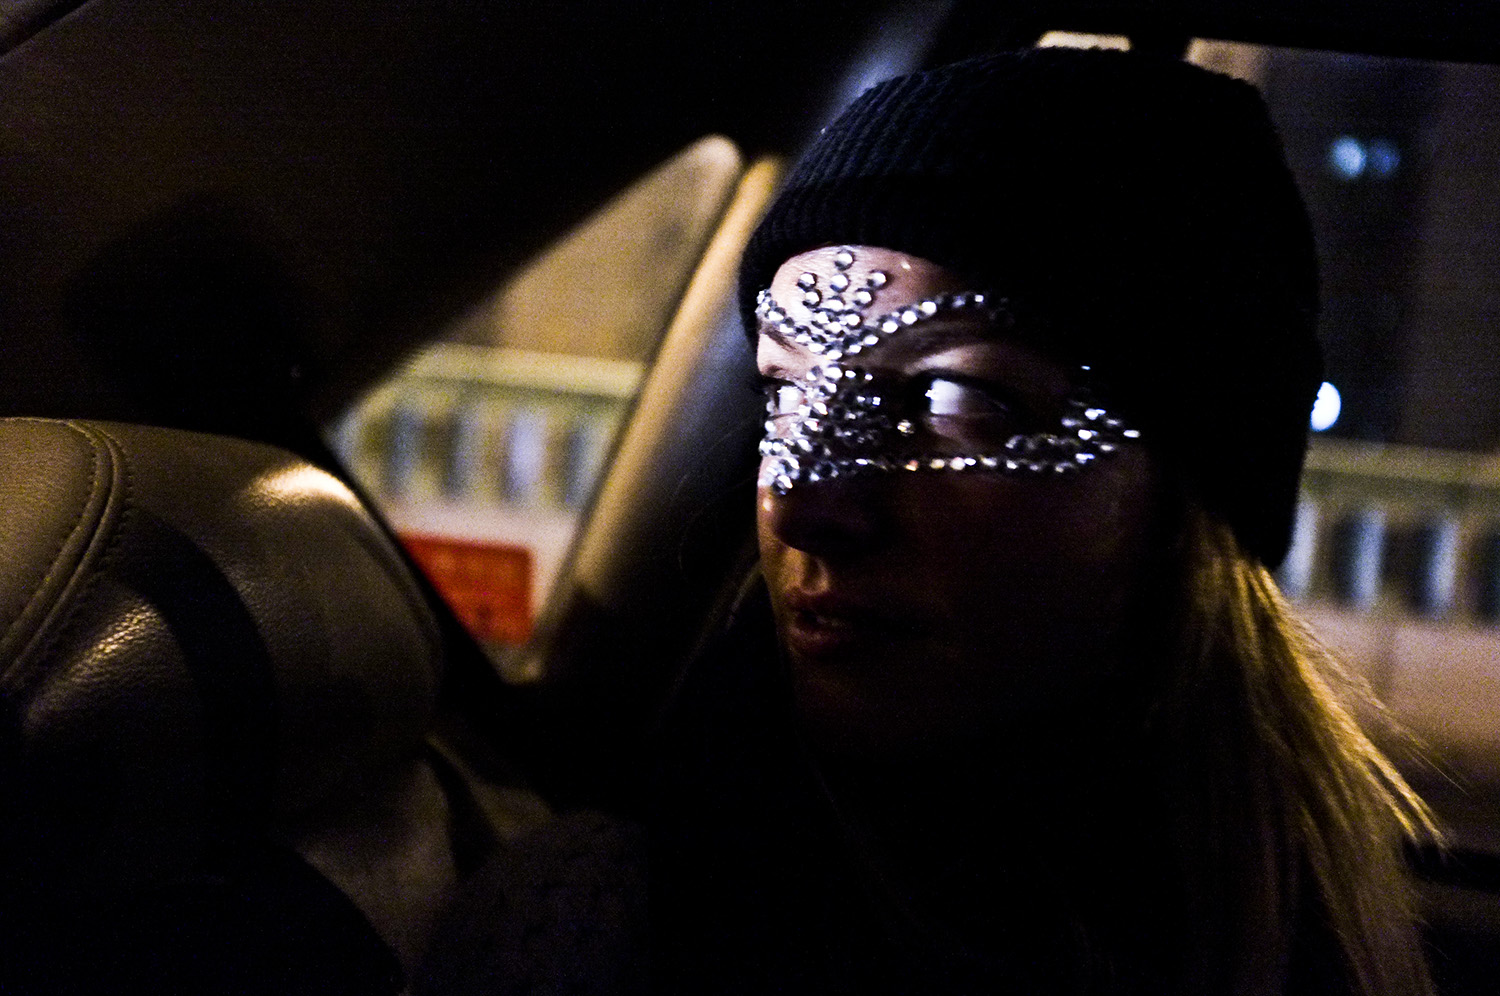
x,y
1140,216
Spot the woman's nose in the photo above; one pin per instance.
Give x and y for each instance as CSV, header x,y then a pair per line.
x,y
837,518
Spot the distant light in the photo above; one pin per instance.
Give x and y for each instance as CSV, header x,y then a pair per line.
x,y
1325,410
1077,39
1384,157
1347,156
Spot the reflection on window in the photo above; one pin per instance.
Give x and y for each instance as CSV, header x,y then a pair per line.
x,y
483,450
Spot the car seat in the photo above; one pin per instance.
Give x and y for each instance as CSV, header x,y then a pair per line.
x,y
219,690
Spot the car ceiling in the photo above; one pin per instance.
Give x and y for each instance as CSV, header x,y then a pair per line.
x,y
215,207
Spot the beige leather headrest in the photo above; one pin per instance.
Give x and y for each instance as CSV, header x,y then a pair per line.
x,y
199,636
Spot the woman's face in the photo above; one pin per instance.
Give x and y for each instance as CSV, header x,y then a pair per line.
x,y
928,609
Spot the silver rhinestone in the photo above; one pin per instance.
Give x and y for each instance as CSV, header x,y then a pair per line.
x,y
905,427
909,316
1012,466
1106,447
937,463
864,298
1131,434
1064,469
839,282
843,259
1083,458
852,319
912,465
928,308
957,463
877,279
871,340
811,298
989,462
889,325
807,281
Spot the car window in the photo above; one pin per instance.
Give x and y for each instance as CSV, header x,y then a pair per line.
x,y
485,447
1396,556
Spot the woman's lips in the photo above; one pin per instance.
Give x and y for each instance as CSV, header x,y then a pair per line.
x,y
825,625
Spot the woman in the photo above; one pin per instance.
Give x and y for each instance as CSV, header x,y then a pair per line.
x,y
1036,336
1013,704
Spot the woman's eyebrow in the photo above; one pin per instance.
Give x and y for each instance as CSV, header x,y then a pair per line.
x,y
921,337
937,336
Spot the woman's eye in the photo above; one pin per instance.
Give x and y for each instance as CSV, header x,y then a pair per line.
x,y
952,398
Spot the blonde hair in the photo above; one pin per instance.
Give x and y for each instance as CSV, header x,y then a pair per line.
x,y
1282,807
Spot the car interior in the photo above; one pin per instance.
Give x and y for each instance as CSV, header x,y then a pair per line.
x,y
375,446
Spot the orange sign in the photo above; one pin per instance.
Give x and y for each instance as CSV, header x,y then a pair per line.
x,y
488,585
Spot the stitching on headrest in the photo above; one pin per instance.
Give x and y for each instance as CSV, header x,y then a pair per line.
x,y
84,570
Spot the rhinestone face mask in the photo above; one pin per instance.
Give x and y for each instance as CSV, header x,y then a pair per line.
x,y
841,419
